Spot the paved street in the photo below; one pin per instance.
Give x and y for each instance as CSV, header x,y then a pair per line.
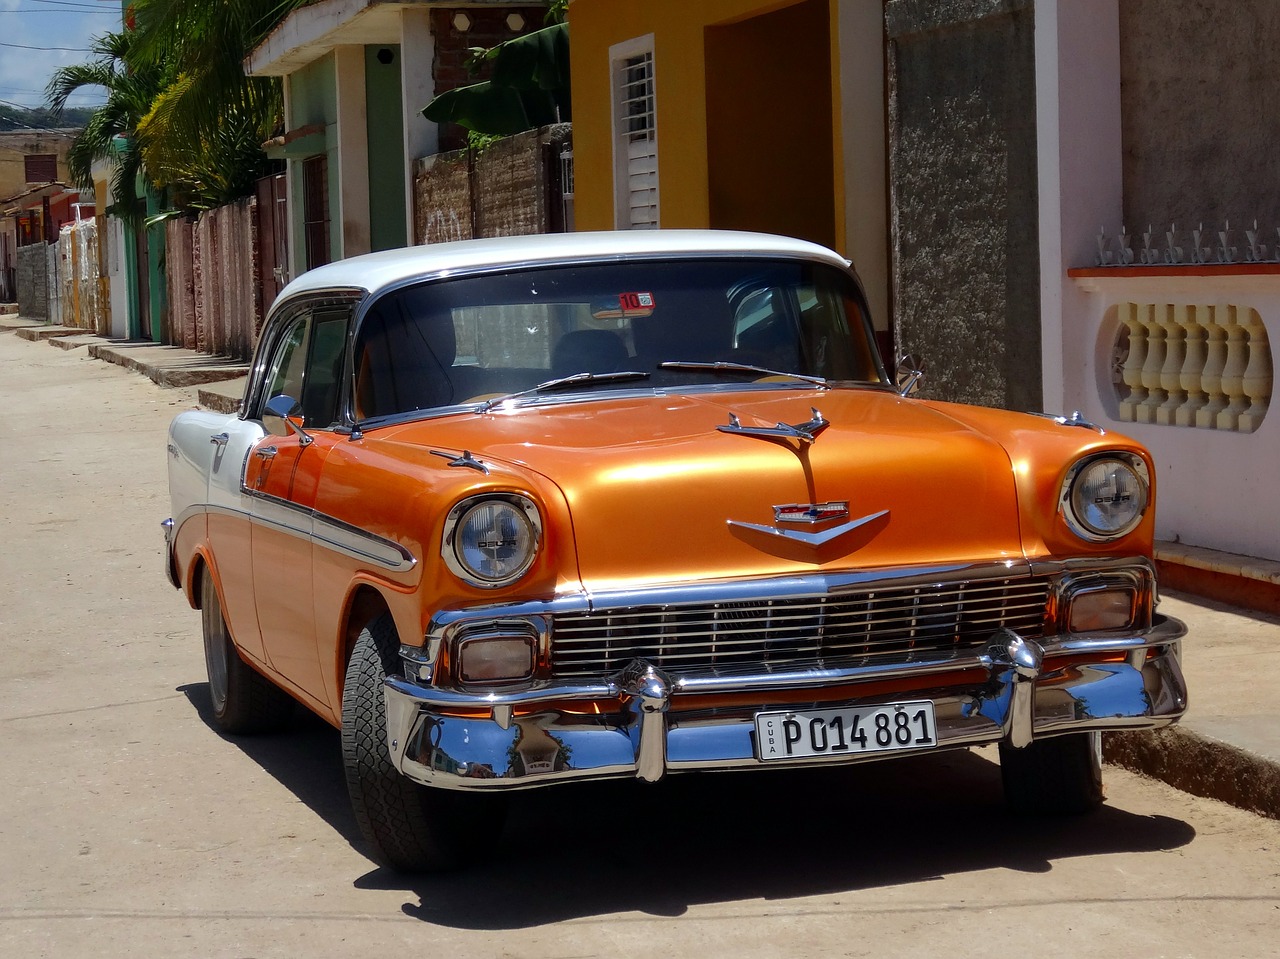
x,y
128,827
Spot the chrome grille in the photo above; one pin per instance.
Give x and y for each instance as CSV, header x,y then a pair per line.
x,y
887,624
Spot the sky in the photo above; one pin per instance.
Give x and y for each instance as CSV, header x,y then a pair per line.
x,y
38,36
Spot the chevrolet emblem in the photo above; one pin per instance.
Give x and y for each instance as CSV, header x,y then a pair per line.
x,y
811,512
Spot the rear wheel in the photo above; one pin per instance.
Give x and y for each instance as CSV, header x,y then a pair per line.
x,y
411,828
243,700
1061,775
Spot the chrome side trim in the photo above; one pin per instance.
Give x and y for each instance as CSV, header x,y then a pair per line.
x,y
170,572
322,530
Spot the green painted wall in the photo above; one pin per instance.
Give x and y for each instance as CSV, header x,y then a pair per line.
x,y
313,98
384,109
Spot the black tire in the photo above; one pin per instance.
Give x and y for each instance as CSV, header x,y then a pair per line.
x,y
243,700
1061,775
411,828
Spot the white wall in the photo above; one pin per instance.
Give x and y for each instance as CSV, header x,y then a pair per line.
x,y
1216,489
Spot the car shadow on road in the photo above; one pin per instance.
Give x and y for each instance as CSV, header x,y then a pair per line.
x,y
608,848
305,757
591,849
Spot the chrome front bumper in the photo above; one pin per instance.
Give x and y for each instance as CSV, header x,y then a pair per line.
x,y
535,736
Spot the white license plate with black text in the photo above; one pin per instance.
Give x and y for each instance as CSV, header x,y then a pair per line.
x,y
844,732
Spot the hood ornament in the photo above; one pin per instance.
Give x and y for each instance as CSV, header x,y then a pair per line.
x,y
804,432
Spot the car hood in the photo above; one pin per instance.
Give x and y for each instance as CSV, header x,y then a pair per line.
x,y
659,493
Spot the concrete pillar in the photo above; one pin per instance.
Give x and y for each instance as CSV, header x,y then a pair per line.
x,y
862,144
1080,172
352,154
417,65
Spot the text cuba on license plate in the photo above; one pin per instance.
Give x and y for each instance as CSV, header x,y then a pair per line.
x,y
842,732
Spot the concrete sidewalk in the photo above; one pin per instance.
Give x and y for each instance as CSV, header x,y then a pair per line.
x,y
219,381
1227,747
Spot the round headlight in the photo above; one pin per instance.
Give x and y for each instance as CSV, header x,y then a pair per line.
x,y
1105,497
492,542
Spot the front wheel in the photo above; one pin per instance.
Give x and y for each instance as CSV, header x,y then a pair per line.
x,y
411,828
1061,775
243,700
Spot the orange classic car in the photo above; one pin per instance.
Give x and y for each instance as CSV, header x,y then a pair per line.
x,y
520,512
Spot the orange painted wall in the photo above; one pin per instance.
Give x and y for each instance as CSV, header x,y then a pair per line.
x,y
680,101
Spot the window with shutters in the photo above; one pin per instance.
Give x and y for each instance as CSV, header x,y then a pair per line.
x,y
315,210
41,167
635,135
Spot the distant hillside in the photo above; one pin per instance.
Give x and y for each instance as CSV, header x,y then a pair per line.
x,y
15,118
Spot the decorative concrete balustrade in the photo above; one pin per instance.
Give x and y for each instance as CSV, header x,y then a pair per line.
x,y
1200,365
1179,356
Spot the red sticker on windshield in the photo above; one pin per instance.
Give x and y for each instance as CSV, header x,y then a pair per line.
x,y
634,302
628,304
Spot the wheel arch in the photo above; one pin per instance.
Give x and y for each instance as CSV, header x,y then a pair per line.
x,y
364,604
193,582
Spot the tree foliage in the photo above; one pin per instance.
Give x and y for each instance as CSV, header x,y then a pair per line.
x,y
41,119
528,86
189,118
109,133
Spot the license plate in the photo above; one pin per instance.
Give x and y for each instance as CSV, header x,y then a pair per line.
x,y
844,732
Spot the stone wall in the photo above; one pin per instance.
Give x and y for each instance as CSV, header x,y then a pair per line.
x,y
1199,113
32,281
964,201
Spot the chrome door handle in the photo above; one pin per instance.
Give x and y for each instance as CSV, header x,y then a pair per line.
x,y
219,439
266,452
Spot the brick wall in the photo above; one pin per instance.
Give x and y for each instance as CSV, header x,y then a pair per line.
x,y
488,28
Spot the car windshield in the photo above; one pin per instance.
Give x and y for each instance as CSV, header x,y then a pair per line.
x,y
681,323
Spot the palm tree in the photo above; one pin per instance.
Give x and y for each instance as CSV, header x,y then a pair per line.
x,y
110,134
203,133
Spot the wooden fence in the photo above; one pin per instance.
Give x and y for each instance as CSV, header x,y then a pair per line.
x,y
513,187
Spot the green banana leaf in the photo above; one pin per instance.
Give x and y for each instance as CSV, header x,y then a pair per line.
x,y
529,87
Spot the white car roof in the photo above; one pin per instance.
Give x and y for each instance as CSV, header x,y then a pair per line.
x,y
376,271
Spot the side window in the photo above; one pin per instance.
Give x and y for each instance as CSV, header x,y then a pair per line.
x,y
287,365
323,380
307,364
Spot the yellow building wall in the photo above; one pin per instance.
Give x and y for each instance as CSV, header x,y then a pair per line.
x,y
680,97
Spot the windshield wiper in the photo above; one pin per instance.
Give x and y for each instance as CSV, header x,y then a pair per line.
x,y
723,367
563,382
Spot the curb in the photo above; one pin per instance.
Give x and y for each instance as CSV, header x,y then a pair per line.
x,y
1200,766
182,371
37,333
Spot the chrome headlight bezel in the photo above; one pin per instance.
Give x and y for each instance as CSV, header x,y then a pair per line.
x,y
1076,513
457,549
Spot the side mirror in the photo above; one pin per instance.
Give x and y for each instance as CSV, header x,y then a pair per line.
x,y
283,415
908,374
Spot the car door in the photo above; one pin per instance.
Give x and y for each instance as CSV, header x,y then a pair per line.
x,y
281,477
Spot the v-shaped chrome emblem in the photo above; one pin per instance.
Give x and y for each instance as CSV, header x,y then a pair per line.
x,y
814,540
